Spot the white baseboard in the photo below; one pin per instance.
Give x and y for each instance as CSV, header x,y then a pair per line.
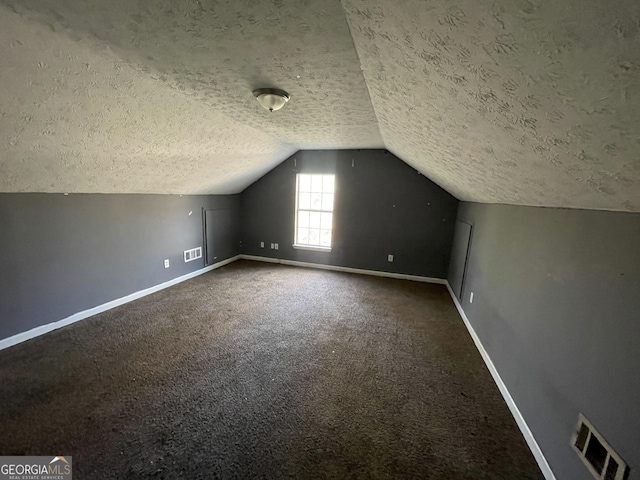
x,y
259,259
522,424
336,268
76,317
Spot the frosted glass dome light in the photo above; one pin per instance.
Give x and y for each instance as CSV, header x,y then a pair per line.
x,y
271,98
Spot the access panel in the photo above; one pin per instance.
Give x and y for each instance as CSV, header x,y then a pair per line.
x,y
218,235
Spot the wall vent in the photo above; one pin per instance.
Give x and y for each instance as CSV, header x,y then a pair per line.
x,y
597,454
192,254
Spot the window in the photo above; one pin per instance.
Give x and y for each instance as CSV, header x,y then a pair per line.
x,y
314,211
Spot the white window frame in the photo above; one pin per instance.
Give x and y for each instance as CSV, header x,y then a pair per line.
x,y
303,246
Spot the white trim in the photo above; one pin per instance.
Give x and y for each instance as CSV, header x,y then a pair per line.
x,y
259,259
337,268
313,248
522,424
76,317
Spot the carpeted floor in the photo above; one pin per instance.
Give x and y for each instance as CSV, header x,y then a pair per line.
x,y
265,371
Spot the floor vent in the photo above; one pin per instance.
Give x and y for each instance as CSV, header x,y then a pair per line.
x,y
192,254
597,454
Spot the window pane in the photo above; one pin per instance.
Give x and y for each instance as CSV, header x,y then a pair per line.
x,y
325,238
325,220
303,236
316,183
304,201
316,201
315,209
314,219
327,201
305,183
328,182
303,219
314,236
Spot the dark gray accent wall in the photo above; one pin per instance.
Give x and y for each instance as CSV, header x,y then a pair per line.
x,y
382,206
60,254
557,307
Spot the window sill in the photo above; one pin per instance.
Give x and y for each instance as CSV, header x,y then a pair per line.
x,y
312,248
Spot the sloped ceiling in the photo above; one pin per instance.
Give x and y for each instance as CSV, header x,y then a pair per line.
x,y
155,96
507,101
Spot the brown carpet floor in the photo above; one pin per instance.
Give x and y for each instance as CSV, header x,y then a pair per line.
x,y
265,371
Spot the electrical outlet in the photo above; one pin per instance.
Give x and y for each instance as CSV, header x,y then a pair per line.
x,y
471,298
390,258
276,245
273,246
166,263
261,244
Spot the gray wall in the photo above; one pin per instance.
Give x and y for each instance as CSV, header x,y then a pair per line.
x,y
61,254
557,307
382,206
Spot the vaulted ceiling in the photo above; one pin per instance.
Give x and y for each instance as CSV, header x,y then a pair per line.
x,y
507,101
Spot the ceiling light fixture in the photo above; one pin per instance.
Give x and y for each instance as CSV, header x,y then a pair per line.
x,y
271,98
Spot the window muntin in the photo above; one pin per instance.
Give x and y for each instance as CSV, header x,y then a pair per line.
x,y
314,210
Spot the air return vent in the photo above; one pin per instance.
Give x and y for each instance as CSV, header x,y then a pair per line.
x,y
597,454
192,254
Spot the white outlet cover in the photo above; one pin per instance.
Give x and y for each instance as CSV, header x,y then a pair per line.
x,y
390,258
261,244
471,298
276,246
166,263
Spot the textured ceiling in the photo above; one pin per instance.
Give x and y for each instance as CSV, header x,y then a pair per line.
x,y
74,120
521,102
155,96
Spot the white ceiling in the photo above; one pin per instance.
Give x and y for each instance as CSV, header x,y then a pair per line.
x,y
522,102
